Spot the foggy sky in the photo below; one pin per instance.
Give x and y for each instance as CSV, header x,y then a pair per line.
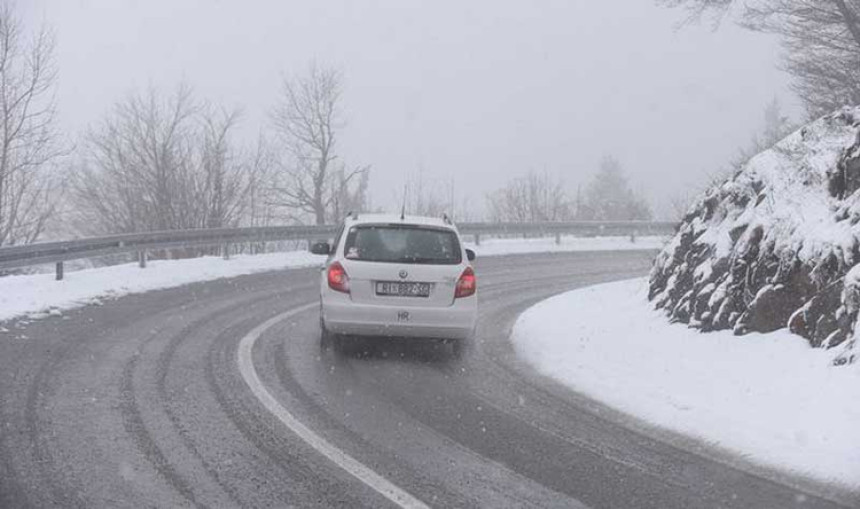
x,y
477,91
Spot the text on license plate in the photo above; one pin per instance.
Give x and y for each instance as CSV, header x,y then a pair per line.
x,y
403,289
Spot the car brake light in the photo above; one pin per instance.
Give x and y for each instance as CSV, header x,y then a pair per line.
x,y
337,278
467,284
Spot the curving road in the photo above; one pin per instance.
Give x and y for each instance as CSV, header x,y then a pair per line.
x,y
141,402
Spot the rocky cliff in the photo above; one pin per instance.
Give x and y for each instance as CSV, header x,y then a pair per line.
x,y
774,245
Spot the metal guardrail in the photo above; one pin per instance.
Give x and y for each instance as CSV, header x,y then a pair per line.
x,y
584,228
58,252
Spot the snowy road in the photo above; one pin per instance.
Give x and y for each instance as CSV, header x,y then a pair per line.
x,y
141,402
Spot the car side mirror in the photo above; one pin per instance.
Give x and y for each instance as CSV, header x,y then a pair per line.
x,y
470,255
320,248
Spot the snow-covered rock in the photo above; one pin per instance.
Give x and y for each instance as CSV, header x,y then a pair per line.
x,y
771,247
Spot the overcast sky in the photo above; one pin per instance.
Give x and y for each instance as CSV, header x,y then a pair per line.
x,y
478,91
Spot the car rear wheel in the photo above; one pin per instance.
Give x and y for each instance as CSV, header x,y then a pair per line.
x,y
458,347
329,341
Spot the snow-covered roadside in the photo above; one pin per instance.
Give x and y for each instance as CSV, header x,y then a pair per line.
x,y
769,397
497,246
37,295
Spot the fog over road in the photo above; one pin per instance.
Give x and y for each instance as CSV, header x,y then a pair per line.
x,y
140,402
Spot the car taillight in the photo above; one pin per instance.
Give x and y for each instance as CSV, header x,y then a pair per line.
x,y
467,284
337,278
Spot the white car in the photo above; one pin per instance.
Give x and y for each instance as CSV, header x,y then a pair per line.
x,y
397,276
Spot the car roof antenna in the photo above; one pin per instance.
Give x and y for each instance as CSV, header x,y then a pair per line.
x,y
403,208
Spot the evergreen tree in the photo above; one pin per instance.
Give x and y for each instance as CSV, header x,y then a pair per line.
x,y
609,197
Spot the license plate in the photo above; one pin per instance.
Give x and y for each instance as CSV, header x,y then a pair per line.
x,y
402,289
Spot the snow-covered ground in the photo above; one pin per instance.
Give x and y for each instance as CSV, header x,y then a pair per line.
x,y
499,246
36,295
769,397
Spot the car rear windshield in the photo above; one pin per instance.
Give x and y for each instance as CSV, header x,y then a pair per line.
x,y
403,244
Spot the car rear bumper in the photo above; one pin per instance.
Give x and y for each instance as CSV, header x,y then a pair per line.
x,y
342,316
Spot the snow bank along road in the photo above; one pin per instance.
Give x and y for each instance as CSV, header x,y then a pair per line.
x,y
141,402
770,397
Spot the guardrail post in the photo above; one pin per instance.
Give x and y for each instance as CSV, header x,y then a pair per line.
x,y
141,259
59,271
225,251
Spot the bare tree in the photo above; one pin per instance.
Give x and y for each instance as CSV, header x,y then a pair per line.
x,y
348,194
422,198
776,127
228,177
130,177
162,164
261,210
433,197
533,198
697,9
28,136
821,39
308,121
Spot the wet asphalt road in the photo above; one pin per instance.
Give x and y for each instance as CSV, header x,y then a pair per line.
x,y
139,402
